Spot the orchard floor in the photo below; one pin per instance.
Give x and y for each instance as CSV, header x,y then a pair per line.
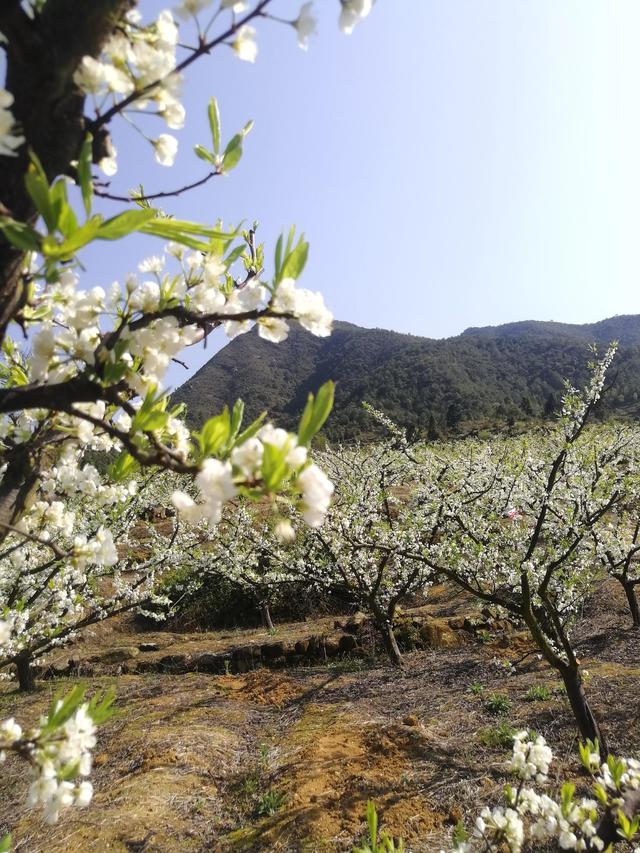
x,y
285,760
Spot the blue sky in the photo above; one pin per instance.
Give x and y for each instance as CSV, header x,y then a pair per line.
x,y
453,163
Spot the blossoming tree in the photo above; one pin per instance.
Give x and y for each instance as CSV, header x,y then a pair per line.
x,y
520,521
369,526
95,378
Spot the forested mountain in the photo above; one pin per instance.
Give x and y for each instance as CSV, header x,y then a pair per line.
x,y
485,375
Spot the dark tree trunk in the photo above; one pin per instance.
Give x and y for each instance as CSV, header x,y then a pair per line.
x,y
26,680
587,723
634,607
42,54
265,613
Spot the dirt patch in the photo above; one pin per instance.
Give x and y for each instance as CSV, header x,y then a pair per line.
x,y
285,760
265,687
332,763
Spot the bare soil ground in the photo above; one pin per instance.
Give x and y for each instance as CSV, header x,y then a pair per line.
x,y
285,760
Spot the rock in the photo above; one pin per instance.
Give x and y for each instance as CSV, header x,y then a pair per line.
x,y
148,647
354,623
331,646
474,625
270,651
207,662
175,663
347,643
437,634
314,645
301,647
245,658
118,654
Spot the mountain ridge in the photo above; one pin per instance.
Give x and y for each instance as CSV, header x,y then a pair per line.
x,y
491,373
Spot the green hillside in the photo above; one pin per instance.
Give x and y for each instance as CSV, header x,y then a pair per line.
x,y
490,374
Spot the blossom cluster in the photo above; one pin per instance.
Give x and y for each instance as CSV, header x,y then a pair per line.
x,y
70,338
218,481
60,758
530,819
138,66
138,59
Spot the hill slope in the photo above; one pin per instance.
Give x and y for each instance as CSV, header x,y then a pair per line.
x,y
493,373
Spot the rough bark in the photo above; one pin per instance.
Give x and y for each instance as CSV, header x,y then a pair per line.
x,y
42,55
634,607
265,614
391,644
588,726
26,680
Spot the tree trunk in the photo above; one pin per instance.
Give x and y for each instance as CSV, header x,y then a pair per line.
x,y
266,617
26,680
634,607
391,644
587,723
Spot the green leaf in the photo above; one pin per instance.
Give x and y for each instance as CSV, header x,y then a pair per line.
x,y
59,199
5,844
214,435
601,793
274,466
234,254
296,260
290,237
84,172
278,259
124,466
79,238
178,227
316,412
125,223
67,220
38,188
62,708
204,154
214,124
236,419
372,823
21,235
101,707
232,153
252,429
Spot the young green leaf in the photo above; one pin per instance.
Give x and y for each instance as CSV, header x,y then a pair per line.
x,y
125,223
278,260
232,153
296,260
204,154
252,429
214,124
79,238
38,188
315,413
21,235
214,435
